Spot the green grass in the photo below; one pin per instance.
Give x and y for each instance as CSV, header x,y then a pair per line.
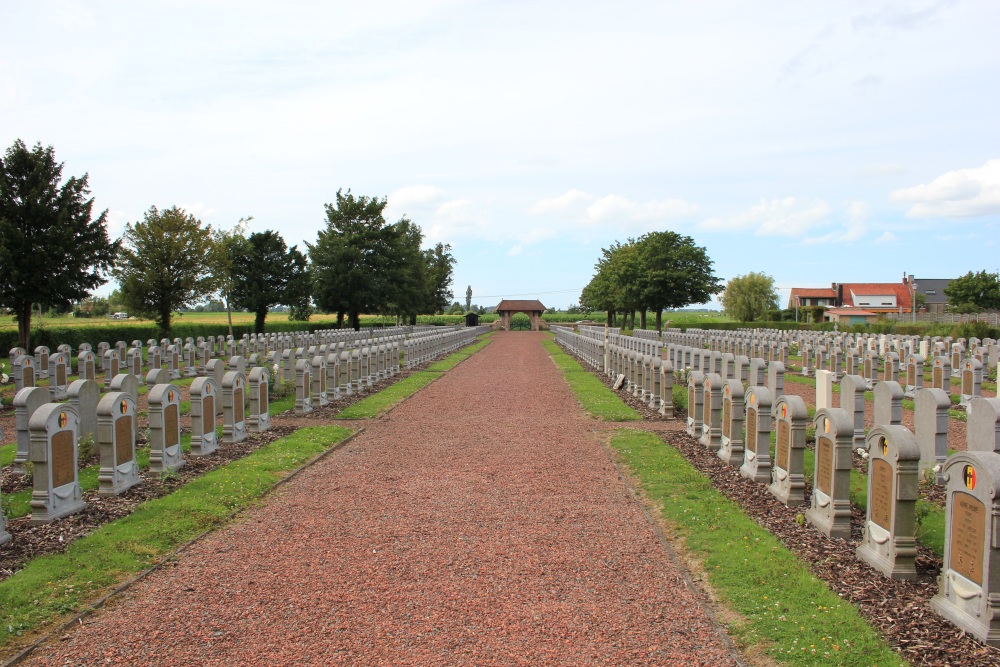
x,y
383,401
55,585
458,357
784,610
597,400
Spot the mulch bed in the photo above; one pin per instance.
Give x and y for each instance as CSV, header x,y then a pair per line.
x,y
900,610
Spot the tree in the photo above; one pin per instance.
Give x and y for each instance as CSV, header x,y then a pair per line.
x,y
747,298
226,247
440,266
351,258
52,250
164,264
468,298
674,273
408,280
267,272
974,292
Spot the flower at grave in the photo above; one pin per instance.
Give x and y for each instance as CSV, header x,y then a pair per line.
x,y
4,378
937,468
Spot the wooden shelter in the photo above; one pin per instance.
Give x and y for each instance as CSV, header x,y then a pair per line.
x,y
532,308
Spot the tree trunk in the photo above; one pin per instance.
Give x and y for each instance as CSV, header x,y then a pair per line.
x,y
611,318
355,321
164,323
642,318
23,314
258,321
659,321
340,319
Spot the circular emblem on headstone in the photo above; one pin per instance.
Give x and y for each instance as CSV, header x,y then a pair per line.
x,y
826,425
123,406
170,395
62,420
727,390
885,446
27,362
969,477
753,399
784,410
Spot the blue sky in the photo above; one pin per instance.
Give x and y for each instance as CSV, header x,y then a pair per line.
x,y
813,141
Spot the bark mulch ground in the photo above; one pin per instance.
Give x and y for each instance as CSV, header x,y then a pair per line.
x,y
899,610
479,523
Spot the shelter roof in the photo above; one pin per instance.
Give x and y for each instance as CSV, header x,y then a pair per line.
x,y
521,305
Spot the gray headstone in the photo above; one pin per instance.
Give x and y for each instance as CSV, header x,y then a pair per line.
x,y
888,404
930,426
85,395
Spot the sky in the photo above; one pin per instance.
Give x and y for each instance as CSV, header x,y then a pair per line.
x,y
816,142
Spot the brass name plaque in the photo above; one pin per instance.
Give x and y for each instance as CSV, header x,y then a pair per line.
x,y
726,409
824,465
881,492
123,440
238,405
784,444
968,536
208,414
263,397
63,459
967,383
751,443
171,426
938,382
692,402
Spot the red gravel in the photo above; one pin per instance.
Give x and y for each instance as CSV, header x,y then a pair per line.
x,y
480,523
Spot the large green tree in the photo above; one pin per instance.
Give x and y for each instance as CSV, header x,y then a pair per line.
x,y
52,249
227,245
352,256
747,298
974,292
440,267
165,264
674,272
266,272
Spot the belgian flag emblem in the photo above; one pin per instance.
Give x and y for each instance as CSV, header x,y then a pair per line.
x,y
969,477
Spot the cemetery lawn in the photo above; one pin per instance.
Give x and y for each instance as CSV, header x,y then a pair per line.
x,y
597,400
784,610
53,586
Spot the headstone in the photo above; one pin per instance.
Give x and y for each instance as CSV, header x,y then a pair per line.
x,y
852,401
58,375
982,431
731,448
87,365
23,370
234,392
776,379
972,380
217,371
26,403
134,359
914,375
696,403
111,367
824,389
888,538
666,390
165,429
126,382
930,426
56,488
830,506
870,370
303,388
204,397
257,382
157,376
788,474
116,427
888,404
174,362
84,396
711,428
941,374
757,442
42,362
969,585
757,375
319,380
891,367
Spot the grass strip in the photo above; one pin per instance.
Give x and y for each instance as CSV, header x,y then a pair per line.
x,y
455,358
54,585
383,401
784,610
597,400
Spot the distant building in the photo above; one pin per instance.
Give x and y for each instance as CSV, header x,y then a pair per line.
x,y
849,316
533,309
935,300
873,298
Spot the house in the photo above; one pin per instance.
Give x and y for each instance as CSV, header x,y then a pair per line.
x,y
935,301
875,298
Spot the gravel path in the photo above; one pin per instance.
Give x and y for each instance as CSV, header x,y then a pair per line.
x,y
480,523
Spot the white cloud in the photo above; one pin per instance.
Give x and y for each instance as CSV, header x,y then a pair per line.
x,y
414,195
887,237
962,193
613,208
515,250
854,229
789,216
564,204
200,210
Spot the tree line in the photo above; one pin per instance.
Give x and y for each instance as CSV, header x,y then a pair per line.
x,y
55,252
